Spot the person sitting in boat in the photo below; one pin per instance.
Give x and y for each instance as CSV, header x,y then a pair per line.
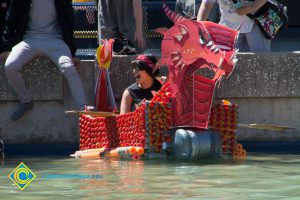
x,y
145,72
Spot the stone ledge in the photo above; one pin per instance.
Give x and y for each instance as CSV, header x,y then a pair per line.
x,y
265,86
46,122
263,75
256,75
42,79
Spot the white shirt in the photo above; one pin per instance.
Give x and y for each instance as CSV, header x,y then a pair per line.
x,y
230,18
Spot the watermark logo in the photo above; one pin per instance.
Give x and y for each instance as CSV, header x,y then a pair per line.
x,y
71,176
22,176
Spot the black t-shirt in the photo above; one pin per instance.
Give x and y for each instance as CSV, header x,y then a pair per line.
x,y
139,94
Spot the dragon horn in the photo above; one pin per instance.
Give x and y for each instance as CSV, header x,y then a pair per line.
x,y
173,16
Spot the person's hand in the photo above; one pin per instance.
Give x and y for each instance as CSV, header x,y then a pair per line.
x,y
76,61
4,55
247,9
139,38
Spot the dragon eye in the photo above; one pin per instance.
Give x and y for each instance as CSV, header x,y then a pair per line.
x,y
202,39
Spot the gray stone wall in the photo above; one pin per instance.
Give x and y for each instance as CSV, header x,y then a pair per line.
x,y
46,122
42,79
264,75
265,86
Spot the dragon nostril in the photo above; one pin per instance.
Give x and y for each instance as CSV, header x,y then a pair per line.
x,y
176,58
175,53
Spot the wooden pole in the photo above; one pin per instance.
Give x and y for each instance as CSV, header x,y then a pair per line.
x,y
266,127
91,113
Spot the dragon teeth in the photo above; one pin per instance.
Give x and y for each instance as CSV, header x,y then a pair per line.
x,y
213,47
210,43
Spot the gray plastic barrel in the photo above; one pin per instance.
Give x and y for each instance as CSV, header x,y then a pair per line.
x,y
190,144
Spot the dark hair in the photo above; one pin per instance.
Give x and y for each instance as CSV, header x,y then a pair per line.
x,y
141,65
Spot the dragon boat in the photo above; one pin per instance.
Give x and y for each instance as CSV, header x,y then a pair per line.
x,y
181,121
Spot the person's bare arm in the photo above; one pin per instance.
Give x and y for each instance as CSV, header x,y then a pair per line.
x,y
4,55
76,61
138,15
250,8
204,11
126,102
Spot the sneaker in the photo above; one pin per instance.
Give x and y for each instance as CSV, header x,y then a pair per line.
x,y
127,50
118,45
22,109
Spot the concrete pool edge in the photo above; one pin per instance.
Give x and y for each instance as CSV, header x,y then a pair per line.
x,y
265,86
45,150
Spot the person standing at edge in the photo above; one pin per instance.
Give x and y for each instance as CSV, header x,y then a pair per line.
x,y
250,37
4,4
34,28
122,20
189,9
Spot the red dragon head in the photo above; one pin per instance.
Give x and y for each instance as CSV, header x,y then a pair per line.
x,y
186,47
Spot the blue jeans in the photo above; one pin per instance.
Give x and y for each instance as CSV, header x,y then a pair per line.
x,y
253,41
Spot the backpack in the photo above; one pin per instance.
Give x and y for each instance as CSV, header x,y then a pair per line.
x,y
271,18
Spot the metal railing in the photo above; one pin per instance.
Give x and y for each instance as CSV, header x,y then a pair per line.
x,y
85,27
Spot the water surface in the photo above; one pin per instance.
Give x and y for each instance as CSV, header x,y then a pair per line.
x,y
262,176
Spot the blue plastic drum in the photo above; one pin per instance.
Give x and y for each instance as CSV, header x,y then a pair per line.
x,y
194,145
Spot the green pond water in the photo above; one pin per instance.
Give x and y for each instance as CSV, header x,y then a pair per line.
x,y
262,176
